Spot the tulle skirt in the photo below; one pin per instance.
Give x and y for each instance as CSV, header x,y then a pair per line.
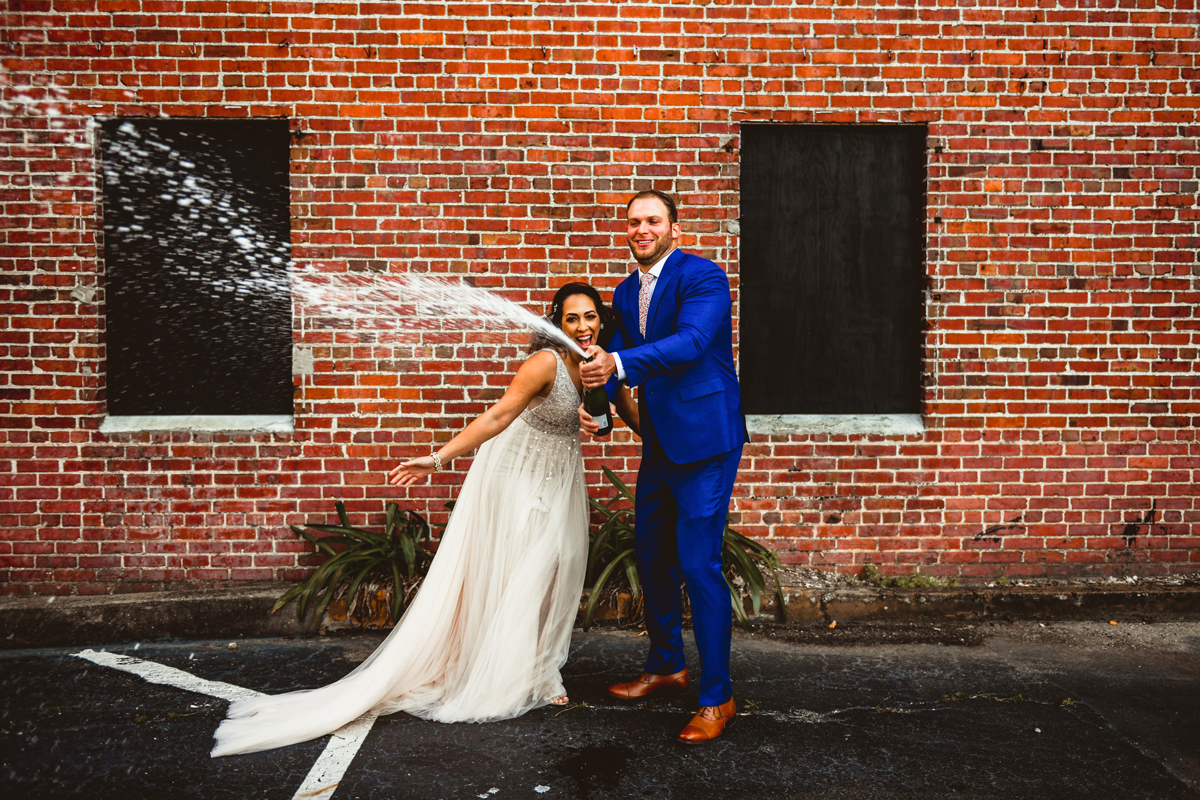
x,y
488,631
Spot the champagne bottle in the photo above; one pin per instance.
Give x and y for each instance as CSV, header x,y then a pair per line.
x,y
595,403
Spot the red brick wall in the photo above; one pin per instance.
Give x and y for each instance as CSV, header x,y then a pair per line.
x,y
500,140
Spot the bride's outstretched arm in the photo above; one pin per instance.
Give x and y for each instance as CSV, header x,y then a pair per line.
x,y
535,377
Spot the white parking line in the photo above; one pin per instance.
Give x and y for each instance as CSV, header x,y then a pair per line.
x,y
329,768
326,773
168,676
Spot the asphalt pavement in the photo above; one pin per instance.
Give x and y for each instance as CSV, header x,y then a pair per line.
x,y
993,710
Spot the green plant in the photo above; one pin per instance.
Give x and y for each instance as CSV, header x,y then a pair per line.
x,y
357,558
611,554
741,556
610,550
872,576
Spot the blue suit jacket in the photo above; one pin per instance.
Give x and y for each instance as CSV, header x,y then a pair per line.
x,y
689,400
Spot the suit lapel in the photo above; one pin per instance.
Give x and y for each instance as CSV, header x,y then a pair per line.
x,y
670,271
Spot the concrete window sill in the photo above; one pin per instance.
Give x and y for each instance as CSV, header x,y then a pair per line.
x,y
879,424
239,423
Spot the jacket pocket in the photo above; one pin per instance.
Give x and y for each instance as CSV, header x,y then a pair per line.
x,y
700,389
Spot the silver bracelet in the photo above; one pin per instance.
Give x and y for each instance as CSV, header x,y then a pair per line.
x,y
437,461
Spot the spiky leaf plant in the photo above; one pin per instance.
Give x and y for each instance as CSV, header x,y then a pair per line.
x,y
610,551
741,556
357,558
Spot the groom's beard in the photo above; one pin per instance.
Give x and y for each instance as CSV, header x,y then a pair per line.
x,y
662,246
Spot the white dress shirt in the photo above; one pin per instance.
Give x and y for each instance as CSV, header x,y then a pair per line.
x,y
656,271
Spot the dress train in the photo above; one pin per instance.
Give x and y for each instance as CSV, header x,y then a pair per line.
x,y
488,631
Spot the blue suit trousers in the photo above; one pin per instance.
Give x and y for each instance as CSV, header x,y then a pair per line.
x,y
681,511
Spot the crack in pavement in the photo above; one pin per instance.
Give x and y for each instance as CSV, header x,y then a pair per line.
x,y
1143,750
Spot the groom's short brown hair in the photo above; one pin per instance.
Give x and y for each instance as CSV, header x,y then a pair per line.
x,y
663,196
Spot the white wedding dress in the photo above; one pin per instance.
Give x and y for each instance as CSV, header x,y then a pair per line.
x,y
487,633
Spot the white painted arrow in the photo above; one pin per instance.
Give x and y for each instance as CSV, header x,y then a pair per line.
x,y
326,773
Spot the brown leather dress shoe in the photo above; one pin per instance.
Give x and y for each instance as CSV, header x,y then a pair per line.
x,y
648,684
708,724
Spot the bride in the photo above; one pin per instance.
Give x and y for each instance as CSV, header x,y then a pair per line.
x,y
487,633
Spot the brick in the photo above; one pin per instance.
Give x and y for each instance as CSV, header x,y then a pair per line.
x,y
1060,317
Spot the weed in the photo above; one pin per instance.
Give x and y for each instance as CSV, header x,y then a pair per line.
x,y
871,575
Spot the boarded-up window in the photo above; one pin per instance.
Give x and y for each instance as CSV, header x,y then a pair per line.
x,y
831,268
197,240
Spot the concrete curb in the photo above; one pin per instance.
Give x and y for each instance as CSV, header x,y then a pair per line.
x,y
244,611
1022,602
27,622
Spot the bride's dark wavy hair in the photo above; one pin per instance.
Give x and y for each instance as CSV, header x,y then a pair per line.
x,y
555,316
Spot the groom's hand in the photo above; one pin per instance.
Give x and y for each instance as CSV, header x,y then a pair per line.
x,y
597,371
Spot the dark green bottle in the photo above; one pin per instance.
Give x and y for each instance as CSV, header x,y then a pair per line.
x,y
595,403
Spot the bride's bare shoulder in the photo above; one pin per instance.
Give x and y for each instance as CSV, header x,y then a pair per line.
x,y
539,370
543,363
543,358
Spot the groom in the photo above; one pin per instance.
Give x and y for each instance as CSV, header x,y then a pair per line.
x,y
674,341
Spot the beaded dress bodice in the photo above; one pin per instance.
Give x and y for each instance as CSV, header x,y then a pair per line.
x,y
558,413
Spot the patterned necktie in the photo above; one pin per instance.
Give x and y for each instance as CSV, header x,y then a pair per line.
x,y
644,300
